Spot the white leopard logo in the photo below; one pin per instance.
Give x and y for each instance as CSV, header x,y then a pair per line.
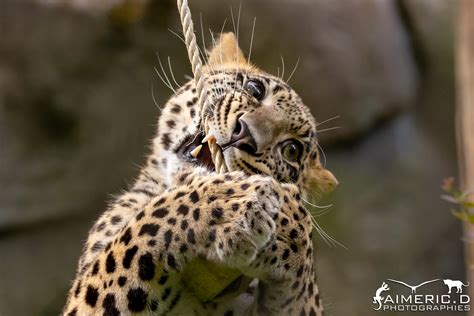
x,y
413,287
456,284
378,298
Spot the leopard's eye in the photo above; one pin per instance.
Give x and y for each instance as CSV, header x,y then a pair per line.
x,y
291,150
255,88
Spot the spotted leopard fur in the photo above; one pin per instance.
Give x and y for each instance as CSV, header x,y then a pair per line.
x,y
251,218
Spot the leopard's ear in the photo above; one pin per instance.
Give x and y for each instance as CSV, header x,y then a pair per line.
x,y
320,180
226,51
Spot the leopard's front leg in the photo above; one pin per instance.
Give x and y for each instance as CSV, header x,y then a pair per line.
x,y
284,267
223,218
287,281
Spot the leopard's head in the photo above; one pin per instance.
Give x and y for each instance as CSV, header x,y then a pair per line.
x,y
260,123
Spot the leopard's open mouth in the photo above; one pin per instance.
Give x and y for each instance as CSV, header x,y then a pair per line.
x,y
195,151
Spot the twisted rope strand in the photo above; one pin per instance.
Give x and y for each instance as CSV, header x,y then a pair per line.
x,y
199,79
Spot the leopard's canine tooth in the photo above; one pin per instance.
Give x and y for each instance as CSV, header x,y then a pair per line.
x,y
196,151
209,137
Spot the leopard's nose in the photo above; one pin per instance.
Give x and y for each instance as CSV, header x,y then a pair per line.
x,y
242,138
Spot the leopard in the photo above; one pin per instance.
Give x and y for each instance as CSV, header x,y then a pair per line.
x,y
251,218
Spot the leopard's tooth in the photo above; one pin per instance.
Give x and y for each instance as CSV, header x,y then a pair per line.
x,y
208,138
196,151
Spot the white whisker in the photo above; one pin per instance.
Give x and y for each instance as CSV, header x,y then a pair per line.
x,y
317,206
251,39
153,97
315,194
328,120
233,19
187,77
329,129
223,25
251,44
171,72
236,29
282,67
177,35
222,30
294,69
203,39
184,42
165,75
219,89
321,213
324,155
325,236
164,81
238,22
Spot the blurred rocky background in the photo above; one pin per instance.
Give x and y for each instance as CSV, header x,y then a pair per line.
x,y
77,114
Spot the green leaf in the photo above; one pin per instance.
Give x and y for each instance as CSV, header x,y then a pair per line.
x,y
463,216
460,215
467,204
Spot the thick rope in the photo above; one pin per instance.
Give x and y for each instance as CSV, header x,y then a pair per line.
x,y
199,79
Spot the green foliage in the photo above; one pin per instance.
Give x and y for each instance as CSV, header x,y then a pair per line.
x,y
464,205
